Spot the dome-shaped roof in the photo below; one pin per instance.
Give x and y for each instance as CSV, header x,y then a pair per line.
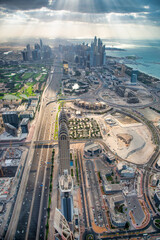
x,y
63,117
63,130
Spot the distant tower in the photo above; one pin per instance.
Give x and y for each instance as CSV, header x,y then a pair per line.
x,y
28,51
134,77
41,44
95,41
63,143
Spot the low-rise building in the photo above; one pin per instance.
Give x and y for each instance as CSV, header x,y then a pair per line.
x,y
158,164
118,219
11,129
157,198
128,173
112,188
27,114
125,171
25,125
92,149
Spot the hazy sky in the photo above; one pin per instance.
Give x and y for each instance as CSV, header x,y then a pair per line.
x,y
126,19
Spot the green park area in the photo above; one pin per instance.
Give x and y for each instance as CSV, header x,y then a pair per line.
x,y
157,223
56,121
21,82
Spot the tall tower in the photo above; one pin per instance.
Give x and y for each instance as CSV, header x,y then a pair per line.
x,y
95,41
63,143
41,44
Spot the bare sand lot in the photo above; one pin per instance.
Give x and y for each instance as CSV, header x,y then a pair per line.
x,y
150,114
139,149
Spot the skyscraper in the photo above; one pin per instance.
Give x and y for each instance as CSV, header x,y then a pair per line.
x,y
97,53
41,44
63,143
134,77
11,118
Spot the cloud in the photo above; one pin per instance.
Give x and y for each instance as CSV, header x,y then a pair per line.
x,y
35,15
48,15
86,6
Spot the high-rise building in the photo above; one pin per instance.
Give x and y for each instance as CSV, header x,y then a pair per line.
x,y
41,44
28,51
65,67
134,77
62,227
10,129
11,118
24,125
36,54
97,53
63,143
25,55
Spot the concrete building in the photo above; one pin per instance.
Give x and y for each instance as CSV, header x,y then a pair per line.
x,y
66,186
66,182
11,129
63,143
92,149
11,117
109,157
24,125
27,114
157,198
112,188
158,164
62,227
128,173
125,170
63,117
134,77
118,219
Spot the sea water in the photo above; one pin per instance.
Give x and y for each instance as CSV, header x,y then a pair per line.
x,y
147,54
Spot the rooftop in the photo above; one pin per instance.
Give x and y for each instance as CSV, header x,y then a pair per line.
x,y
24,121
112,187
66,183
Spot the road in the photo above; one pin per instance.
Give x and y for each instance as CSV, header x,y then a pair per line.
x,y
29,215
96,197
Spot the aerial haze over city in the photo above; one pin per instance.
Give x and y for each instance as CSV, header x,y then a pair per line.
x,y
79,119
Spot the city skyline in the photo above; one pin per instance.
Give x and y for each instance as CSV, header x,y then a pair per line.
x,y
106,19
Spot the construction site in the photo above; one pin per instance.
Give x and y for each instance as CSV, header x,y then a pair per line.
x,y
128,138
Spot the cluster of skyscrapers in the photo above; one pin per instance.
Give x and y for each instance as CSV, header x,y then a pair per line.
x,y
40,52
85,55
97,53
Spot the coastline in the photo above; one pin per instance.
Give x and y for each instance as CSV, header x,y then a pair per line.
x,y
142,76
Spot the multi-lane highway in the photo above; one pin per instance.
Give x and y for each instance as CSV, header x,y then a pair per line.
x,y
29,215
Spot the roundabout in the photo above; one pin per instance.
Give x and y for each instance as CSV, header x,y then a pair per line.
x,y
89,235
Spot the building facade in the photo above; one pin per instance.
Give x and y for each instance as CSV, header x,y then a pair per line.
x,y
11,117
63,143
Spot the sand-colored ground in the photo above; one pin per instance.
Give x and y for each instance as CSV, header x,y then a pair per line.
x,y
150,114
140,148
98,229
